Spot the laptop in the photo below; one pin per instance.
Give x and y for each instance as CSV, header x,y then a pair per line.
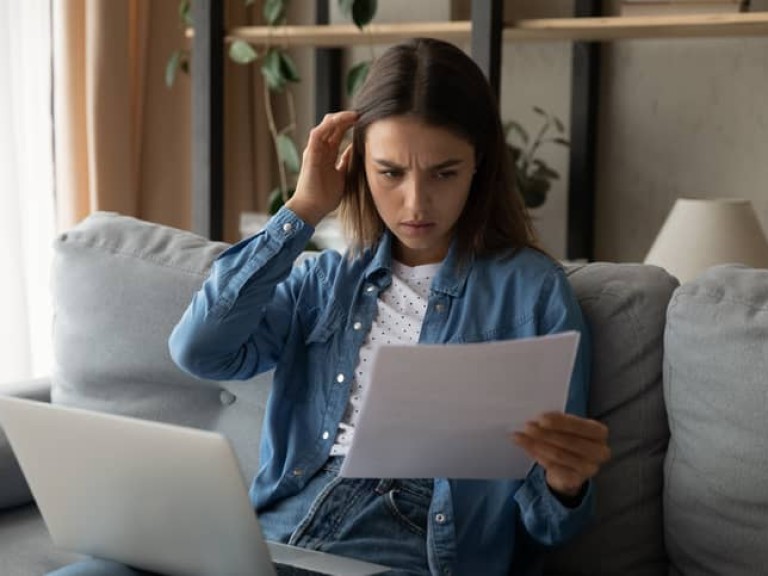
x,y
158,497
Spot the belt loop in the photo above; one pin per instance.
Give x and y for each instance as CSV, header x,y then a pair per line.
x,y
384,486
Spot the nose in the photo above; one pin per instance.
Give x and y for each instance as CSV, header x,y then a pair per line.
x,y
416,194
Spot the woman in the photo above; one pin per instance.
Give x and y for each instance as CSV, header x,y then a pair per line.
x,y
442,251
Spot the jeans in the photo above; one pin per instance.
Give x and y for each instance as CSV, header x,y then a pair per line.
x,y
380,521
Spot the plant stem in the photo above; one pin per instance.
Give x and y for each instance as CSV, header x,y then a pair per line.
x,y
291,111
367,31
537,142
274,133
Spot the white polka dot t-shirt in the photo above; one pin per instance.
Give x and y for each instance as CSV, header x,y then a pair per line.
x,y
400,312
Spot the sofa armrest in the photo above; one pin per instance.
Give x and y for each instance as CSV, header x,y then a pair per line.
x,y
37,389
13,487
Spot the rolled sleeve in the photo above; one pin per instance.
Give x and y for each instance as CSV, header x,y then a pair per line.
x,y
237,322
548,521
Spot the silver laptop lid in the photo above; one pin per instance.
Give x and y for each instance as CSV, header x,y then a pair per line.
x,y
159,497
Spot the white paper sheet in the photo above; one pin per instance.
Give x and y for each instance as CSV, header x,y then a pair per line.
x,y
446,411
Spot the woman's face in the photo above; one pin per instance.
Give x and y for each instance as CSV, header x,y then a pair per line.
x,y
419,177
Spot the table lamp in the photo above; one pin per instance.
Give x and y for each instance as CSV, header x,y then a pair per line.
x,y
700,233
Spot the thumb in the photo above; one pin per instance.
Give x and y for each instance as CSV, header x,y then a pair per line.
x,y
342,164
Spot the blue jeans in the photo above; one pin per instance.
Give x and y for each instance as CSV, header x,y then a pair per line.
x,y
380,521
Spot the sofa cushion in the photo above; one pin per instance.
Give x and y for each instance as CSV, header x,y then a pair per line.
x,y
13,487
625,307
716,389
25,546
120,285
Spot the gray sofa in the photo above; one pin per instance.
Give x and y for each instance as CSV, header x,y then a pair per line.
x,y
679,376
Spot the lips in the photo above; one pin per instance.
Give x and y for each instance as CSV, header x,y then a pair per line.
x,y
417,227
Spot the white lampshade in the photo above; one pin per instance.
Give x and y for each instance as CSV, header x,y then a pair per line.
x,y
698,234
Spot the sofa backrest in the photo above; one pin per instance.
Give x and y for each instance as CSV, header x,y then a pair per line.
x,y
119,286
716,390
625,307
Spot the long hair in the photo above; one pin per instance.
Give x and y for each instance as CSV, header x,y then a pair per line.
x,y
437,83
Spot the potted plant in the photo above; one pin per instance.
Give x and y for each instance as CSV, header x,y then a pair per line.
x,y
533,176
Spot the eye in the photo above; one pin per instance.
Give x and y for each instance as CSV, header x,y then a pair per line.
x,y
391,174
445,174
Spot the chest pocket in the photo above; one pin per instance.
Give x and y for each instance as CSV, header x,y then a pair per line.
x,y
328,323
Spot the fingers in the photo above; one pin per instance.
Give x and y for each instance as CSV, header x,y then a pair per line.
x,y
583,464
332,128
320,186
343,162
566,446
573,425
564,441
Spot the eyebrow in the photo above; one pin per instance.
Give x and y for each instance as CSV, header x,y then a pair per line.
x,y
441,166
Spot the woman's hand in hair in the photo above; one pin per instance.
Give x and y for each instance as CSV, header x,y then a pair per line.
x,y
321,182
571,450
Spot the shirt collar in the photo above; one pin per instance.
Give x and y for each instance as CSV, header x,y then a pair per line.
x,y
451,278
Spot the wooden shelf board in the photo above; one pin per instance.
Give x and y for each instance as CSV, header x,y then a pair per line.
x,y
639,27
549,29
339,35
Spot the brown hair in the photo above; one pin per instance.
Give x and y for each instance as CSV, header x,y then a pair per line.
x,y
439,84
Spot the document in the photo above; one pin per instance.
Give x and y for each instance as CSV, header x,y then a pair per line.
x,y
447,411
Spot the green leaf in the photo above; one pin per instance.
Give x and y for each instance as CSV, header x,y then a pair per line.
x,y
360,11
363,12
185,12
271,70
278,69
559,125
562,141
545,172
513,126
289,154
275,200
242,52
288,68
540,112
274,11
515,152
535,192
356,77
171,68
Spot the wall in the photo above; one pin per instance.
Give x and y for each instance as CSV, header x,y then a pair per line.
x,y
678,118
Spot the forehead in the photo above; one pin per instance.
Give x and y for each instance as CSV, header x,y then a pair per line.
x,y
405,135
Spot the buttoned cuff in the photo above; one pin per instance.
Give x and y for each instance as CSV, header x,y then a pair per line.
x,y
546,519
285,226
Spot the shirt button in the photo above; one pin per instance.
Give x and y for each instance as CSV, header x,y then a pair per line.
x,y
370,288
298,471
326,435
439,308
357,325
440,518
287,227
226,398
340,378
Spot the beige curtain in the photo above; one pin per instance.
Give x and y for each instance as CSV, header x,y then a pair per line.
x,y
250,170
122,139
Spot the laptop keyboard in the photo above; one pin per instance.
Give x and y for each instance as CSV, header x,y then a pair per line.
x,y
286,570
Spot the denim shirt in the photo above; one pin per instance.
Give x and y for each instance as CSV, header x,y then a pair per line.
x,y
257,311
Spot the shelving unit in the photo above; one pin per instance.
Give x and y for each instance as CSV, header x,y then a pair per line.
x,y
486,31
602,29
